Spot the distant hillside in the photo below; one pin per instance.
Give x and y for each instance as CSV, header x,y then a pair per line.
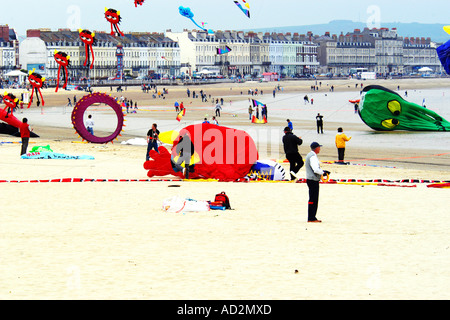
x,y
434,31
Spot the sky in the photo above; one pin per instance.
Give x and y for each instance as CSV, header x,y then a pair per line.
x,y
160,15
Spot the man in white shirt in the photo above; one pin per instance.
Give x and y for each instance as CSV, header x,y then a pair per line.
x,y
90,125
313,175
218,108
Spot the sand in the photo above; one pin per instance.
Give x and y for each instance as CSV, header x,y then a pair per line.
x,y
114,241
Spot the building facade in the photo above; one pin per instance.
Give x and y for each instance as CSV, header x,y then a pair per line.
x,y
251,53
376,50
418,53
144,54
9,50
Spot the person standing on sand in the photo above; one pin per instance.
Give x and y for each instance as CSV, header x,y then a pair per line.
x,y
90,125
152,140
290,125
218,108
313,175
341,139
25,133
319,121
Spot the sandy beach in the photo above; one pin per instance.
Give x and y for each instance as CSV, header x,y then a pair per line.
x,y
112,240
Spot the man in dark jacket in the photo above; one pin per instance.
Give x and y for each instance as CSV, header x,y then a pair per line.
x,y
291,143
184,150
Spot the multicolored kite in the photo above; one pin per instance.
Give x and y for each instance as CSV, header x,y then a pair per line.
x,y
257,104
36,81
259,121
88,38
245,11
138,2
223,51
181,115
114,18
385,110
63,60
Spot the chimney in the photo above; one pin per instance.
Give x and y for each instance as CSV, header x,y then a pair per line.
x,y
4,32
33,33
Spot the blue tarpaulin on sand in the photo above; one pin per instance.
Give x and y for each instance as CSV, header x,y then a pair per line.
x,y
52,155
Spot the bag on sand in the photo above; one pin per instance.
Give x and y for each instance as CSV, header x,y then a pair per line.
x,y
222,199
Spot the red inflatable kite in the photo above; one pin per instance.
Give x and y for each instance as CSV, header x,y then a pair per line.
x,y
206,151
63,60
114,18
36,81
11,103
88,38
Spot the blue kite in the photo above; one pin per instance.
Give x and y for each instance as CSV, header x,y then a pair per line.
x,y
444,55
187,13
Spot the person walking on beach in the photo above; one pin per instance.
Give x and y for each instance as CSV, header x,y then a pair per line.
x,y
313,175
177,107
90,124
25,133
341,139
306,99
152,140
69,104
319,121
218,108
291,143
